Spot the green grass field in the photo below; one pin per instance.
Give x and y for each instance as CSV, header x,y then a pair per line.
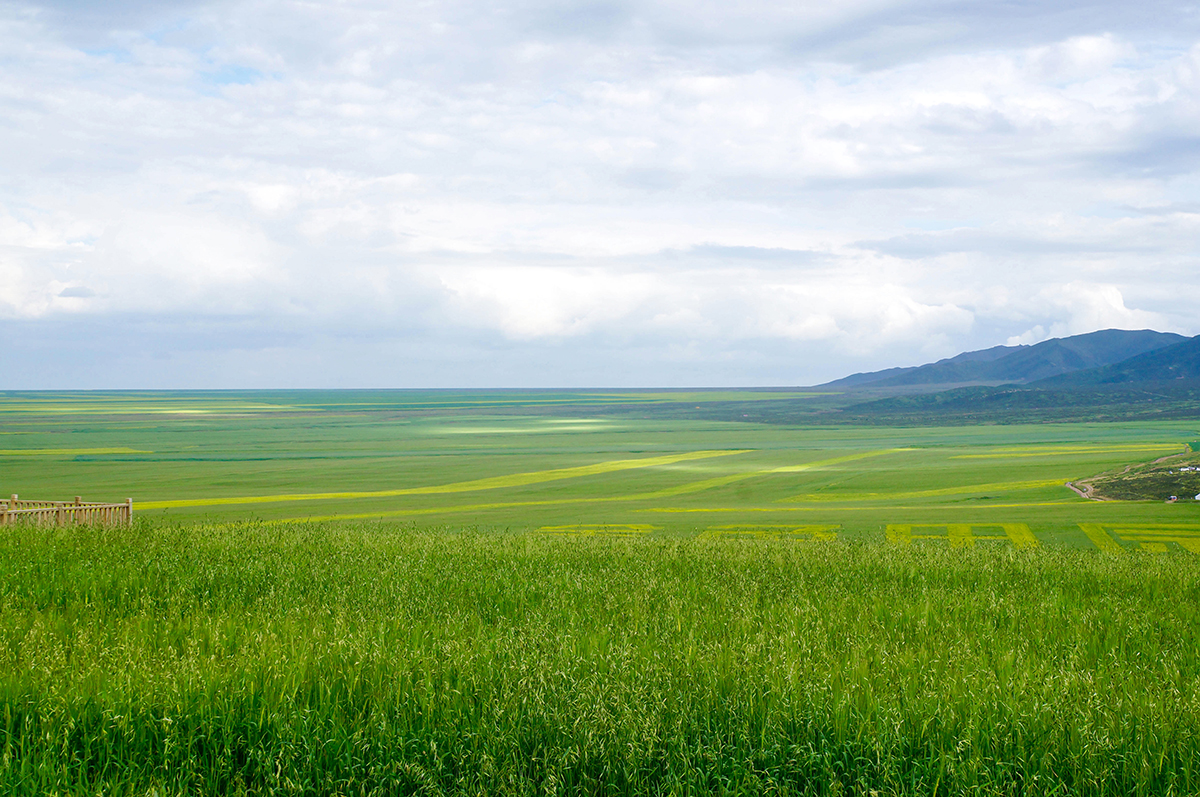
x,y
331,658
525,593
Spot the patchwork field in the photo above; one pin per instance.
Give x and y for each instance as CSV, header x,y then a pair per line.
x,y
547,593
558,463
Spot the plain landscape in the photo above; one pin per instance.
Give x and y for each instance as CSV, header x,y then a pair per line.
x,y
594,592
605,398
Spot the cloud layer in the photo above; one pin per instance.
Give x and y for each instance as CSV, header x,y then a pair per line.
x,y
557,194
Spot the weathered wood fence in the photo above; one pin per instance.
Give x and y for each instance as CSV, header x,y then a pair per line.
x,y
59,513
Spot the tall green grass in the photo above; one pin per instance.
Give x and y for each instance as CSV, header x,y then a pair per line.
x,y
337,659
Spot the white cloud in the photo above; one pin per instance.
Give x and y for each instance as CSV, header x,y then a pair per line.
x,y
794,191
1100,307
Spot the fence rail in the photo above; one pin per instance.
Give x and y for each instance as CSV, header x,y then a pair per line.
x,y
61,513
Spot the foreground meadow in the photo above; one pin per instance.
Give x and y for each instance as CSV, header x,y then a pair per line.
x,y
334,658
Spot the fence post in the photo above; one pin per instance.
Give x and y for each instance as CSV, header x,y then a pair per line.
x,y
58,513
128,511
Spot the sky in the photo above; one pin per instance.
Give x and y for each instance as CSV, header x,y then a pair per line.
x,y
282,194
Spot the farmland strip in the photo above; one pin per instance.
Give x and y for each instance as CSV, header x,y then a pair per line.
x,y
489,483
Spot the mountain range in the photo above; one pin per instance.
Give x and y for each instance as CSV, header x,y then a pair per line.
x,y
1108,375
1049,360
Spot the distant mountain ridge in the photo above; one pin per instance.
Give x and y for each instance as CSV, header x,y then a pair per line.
x,y
1178,361
1048,360
873,378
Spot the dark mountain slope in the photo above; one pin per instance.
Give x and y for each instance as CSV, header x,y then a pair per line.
x,y
875,377
1021,364
1180,361
1178,398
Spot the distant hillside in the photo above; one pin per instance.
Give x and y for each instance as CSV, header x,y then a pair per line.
x,y
1179,361
1021,364
1164,383
1023,404
874,378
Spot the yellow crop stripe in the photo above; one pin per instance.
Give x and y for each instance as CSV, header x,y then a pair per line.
x,y
489,483
1101,539
66,452
960,535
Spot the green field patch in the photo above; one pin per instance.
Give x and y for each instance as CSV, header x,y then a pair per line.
x,y
1053,451
741,531
992,487
446,510
961,535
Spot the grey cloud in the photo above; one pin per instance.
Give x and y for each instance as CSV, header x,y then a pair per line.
x,y
652,179
92,24
738,36
1155,156
759,254
590,20
933,244
1168,209
129,353
903,32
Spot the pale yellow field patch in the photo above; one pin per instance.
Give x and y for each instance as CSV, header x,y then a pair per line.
x,y
489,483
592,529
960,535
682,489
721,481
67,452
1100,538
1152,537
825,507
808,533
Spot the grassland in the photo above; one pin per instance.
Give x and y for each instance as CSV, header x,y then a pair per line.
x,y
333,658
522,462
519,593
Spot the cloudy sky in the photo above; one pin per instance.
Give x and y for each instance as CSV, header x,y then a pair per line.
x,y
274,193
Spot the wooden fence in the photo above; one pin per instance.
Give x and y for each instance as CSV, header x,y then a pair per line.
x,y
59,513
